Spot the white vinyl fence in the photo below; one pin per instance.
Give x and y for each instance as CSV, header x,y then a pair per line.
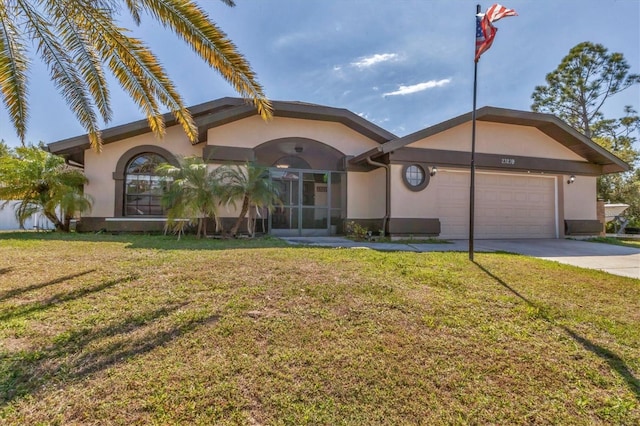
x,y
8,221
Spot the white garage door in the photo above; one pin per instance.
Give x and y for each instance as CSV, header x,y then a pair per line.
x,y
507,206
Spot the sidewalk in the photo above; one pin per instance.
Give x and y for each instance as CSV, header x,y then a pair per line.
x,y
617,260
455,245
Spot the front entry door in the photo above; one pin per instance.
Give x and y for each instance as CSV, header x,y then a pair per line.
x,y
307,208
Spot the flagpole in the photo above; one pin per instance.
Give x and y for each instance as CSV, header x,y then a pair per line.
x,y
473,155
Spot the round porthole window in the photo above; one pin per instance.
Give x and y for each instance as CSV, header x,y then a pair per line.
x,y
415,177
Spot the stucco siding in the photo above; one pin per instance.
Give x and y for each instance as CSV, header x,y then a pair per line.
x,y
253,131
580,198
366,194
99,167
497,138
409,204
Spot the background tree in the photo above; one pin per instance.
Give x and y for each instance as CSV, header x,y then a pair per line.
x,y
578,88
576,91
4,149
192,192
249,183
44,184
78,39
618,136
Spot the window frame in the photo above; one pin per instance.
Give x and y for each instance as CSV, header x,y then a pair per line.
x,y
425,177
148,181
120,175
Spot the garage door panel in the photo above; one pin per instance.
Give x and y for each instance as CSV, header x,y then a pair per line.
x,y
507,206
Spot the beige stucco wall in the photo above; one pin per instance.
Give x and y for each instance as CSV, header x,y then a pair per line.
x,y
247,133
99,167
580,198
253,131
497,138
410,204
577,201
366,194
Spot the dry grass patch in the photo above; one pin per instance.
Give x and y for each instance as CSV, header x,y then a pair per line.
x,y
149,330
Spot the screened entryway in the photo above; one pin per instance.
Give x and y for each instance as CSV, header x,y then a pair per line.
x,y
313,202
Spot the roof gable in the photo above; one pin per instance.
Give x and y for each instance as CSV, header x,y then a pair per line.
x,y
223,111
548,124
499,138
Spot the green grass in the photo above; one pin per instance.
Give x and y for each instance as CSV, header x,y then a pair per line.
x,y
619,241
101,329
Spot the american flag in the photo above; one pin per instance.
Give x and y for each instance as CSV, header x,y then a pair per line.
x,y
485,31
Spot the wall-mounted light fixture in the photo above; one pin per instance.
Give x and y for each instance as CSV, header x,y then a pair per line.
x,y
572,179
434,170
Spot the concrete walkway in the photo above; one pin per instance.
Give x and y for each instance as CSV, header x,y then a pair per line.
x,y
617,260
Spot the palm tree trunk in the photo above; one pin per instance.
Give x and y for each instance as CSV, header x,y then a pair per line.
x,y
67,223
243,213
56,222
199,228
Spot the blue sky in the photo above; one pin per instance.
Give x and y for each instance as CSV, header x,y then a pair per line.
x,y
404,65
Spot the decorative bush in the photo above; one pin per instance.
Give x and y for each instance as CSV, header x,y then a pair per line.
x,y
355,230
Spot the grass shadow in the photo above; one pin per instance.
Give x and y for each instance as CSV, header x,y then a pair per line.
x,y
5,270
614,361
18,291
78,354
151,241
59,298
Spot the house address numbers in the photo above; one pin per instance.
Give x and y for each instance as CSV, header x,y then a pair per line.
x,y
509,161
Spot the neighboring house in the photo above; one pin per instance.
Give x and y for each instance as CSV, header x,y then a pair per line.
x,y
535,175
8,221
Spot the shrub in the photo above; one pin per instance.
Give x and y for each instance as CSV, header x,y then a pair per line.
x,y
355,230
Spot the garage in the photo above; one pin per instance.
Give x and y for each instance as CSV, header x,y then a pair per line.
x,y
507,205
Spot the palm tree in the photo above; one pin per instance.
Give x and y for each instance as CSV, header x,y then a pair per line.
x,y
191,192
4,148
252,185
43,183
77,39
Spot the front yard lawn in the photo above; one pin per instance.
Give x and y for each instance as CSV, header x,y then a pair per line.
x,y
619,241
100,329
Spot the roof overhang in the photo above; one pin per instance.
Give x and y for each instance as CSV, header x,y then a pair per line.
x,y
546,123
220,112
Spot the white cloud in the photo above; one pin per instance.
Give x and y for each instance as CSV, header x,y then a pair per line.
x,y
378,121
369,61
407,90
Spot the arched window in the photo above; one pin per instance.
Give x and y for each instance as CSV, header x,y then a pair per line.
x,y
292,162
142,186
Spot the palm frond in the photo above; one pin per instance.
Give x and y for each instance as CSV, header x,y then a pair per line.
x,y
84,55
77,39
13,72
140,93
138,72
63,71
109,39
24,210
134,9
191,23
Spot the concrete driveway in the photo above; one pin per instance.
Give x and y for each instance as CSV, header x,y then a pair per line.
x,y
617,260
